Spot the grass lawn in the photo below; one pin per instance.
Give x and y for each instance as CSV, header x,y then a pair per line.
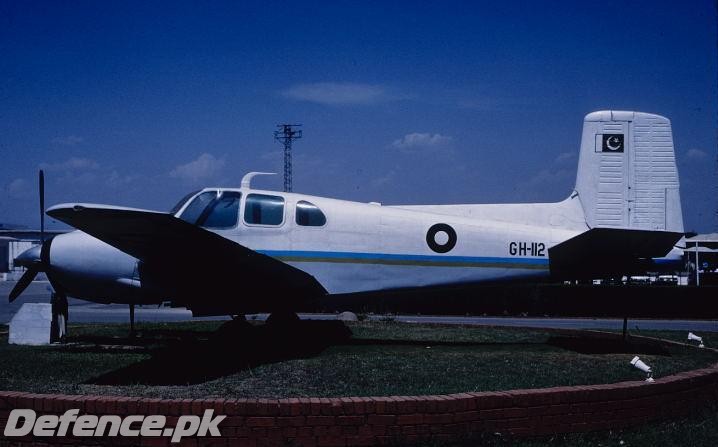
x,y
382,358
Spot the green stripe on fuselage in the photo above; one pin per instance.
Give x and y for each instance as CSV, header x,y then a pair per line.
x,y
416,262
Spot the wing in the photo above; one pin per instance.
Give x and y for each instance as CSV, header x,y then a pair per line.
x,y
192,266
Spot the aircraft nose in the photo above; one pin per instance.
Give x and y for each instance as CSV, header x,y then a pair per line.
x,y
29,257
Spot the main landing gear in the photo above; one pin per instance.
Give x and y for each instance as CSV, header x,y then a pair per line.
x,y
132,320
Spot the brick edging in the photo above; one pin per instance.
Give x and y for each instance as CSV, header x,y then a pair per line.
x,y
378,420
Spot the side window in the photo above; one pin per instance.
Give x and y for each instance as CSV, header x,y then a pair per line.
x,y
223,212
308,215
261,209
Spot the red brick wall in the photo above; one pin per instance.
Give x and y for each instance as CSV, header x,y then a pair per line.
x,y
380,420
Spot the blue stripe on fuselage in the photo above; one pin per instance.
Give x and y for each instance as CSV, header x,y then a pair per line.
x,y
406,259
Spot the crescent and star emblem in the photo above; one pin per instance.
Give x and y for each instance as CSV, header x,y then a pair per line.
x,y
613,143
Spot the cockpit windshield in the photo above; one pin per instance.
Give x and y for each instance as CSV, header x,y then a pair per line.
x,y
213,209
182,201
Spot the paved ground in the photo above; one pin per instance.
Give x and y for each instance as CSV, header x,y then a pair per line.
x,y
85,312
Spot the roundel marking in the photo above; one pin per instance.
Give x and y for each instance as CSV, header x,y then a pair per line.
x,y
441,228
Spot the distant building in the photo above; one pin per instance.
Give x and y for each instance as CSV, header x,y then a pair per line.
x,y
701,254
14,239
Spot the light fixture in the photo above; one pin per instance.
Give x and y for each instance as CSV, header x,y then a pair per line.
x,y
638,363
694,337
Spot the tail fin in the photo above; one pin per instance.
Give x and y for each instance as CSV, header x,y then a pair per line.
x,y
627,176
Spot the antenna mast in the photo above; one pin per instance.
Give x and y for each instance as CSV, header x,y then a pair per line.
x,y
285,135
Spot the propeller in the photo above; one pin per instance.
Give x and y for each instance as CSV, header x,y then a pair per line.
x,y
37,258
22,284
41,187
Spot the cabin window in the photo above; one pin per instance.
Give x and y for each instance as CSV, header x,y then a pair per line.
x,y
262,209
308,215
213,209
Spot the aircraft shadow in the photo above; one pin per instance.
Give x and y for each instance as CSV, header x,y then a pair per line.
x,y
608,345
398,342
145,340
188,357
234,347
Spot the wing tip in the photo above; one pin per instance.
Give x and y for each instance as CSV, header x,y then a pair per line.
x,y
77,207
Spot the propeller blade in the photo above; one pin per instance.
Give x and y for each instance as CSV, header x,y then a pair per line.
x,y
22,284
42,206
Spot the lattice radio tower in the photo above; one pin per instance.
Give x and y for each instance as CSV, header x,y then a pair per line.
x,y
285,135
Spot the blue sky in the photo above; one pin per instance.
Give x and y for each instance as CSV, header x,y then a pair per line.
x,y
136,103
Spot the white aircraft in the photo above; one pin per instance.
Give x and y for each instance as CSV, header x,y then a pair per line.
x,y
232,251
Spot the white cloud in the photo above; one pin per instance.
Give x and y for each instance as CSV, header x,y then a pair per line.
x,y
69,140
421,141
272,155
565,157
337,93
85,178
71,164
85,172
696,155
483,104
17,188
561,173
549,176
384,180
205,167
116,180
546,185
16,185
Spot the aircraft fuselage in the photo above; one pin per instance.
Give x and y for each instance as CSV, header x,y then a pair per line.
x,y
361,247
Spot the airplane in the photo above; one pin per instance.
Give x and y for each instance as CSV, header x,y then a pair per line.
x,y
237,251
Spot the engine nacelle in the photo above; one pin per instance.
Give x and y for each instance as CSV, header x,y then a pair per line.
x,y
87,268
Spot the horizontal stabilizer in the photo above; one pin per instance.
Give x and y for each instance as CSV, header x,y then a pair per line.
x,y
603,252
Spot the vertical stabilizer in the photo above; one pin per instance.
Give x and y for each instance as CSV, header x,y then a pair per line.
x,y
627,176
